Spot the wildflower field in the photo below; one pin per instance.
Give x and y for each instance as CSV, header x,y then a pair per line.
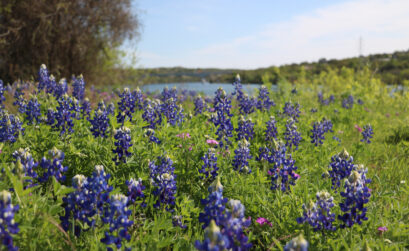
x,y
317,165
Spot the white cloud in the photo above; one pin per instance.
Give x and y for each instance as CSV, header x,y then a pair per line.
x,y
330,32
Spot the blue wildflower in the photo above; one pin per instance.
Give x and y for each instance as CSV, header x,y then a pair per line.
x,y
50,117
7,224
297,244
240,162
24,161
138,97
33,111
53,166
67,109
247,104
348,102
291,135
271,130
43,78
51,86
163,180
263,100
238,88
209,168
221,120
200,105
78,87
135,191
100,123
292,110
126,106
85,108
2,98
111,109
177,221
61,88
317,134
318,214
340,167
245,129
214,239
355,196
150,133
122,143
152,114
10,127
19,100
367,134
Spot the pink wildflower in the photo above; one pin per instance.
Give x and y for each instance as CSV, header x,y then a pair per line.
x,y
358,128
296,175
263,221
212,142
381,230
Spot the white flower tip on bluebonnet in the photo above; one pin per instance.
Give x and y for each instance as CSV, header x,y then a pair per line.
x,y
237,209
238,77
5,196
99,169
324,195
297,244
344,154
52,78
80,76
54,153
79,179
166,176
135,182
120,198
354,177
126,90
43,66
216,185
366,247
212,231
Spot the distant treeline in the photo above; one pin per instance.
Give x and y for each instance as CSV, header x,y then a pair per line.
x,y
390,68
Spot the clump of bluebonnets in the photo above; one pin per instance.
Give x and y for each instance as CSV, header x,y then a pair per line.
x,y
367,134
2,98
247,104
43,78
85,108
100,123
152,114
209,168
292,110
19,100
7,224
297,244
263,100
221,118
242,156
317,134
245,129
291,135
324,101
224,222
340,167
111,109
355,196
67,110
238,88
135,191
319,214
138,97
200,105
150,133
283,175
163,179
53,166
24,161
61,88
33,111
10,127
78,87
177,221
122,143
116,215
271,130
348,102
126,106
50,117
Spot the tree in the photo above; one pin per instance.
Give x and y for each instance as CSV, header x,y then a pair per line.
x,y
69,36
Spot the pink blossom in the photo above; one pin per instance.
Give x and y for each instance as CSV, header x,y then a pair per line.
x,y
190,148
358,128
263,221
183,135
381,230
296,175
212,142
387,115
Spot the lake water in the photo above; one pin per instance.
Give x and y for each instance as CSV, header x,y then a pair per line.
x,y
206,88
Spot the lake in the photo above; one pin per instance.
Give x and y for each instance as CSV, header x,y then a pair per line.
x,y
206,88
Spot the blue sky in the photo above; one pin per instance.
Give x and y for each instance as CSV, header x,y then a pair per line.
x,y
260,33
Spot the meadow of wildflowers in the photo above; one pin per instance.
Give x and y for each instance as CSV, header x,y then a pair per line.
x,y
177,170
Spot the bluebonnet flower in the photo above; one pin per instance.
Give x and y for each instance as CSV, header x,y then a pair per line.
x,y
340,167
318,214
247,104
297,244
286,173
152,114
367,134
336,138
33,111
51,86
122,143
87,200
43,78
222,116
116,215
150,133
61,88
177,221
360,101
67,109
240,162
19,100
326,125
163,179
171,111
238,88
324,101
25,161
199,105
85,108
291,135
355,196
78,87
314,110
111,109
50,117
10,127
209,168
169,94
138,97
348,103
7,224
100,123
135,191
227,217
53,166
245,129
263,100
271,130
292,110
317,134
2,98
126,106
